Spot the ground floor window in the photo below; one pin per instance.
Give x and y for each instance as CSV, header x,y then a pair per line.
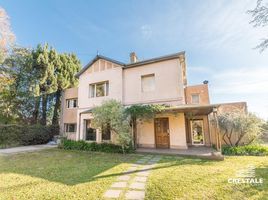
x,y
90,132
70,128
106,132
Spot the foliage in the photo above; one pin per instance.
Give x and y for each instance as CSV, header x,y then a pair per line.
x,y
112,113
65,75
239,128
260,19
251,150
15,135
143,111
140,111
16,98
32,80
7,37
93,146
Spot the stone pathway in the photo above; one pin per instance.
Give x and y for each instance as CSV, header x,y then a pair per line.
x,y
26,149
132,184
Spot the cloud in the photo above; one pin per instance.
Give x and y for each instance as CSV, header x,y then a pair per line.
x,y
199,69
146,31
241,81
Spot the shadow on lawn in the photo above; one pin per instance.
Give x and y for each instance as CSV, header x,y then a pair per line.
x,y
72,167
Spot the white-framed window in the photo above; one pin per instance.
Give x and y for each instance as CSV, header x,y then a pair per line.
x,y
148,83
71,103
99,89
195,98
70,128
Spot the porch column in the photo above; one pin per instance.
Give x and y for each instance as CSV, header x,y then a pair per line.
x,y
98,136
218,140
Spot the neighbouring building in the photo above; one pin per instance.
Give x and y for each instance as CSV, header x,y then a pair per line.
x,y
187,120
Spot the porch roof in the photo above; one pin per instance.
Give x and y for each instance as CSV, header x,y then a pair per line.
x,y
193,109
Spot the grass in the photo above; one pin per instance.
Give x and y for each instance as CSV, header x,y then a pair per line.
x,y
182,178
61,174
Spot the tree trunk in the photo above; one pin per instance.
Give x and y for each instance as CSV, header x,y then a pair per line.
x,y
55,118
134,128
36,110
44,110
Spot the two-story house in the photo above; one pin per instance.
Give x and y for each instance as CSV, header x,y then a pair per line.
x,y
161,80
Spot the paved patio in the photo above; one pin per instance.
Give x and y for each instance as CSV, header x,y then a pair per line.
x,y
201,152
30,148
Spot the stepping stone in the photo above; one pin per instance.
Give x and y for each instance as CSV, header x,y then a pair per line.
x,y
137,185
123,178
112,193
140,179
131,169
138,195
119,185
147,167
143,173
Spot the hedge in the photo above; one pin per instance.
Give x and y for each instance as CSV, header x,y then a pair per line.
x,y
92,146
20,135
252,150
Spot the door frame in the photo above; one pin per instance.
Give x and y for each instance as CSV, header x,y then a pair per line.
x,y
168,147
191,132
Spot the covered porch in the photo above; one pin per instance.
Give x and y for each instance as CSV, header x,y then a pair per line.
x,y
181,129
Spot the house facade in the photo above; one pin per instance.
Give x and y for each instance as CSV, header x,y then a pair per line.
x,y
163,80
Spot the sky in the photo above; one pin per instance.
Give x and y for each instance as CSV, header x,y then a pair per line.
x,y
216,36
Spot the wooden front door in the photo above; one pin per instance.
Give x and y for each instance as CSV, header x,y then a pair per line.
x,y
161,127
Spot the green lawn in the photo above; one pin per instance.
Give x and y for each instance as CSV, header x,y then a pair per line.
x,y
60,174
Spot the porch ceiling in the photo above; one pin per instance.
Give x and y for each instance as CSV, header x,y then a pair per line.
x,y
193,109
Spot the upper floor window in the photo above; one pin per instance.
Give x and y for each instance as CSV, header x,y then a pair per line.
x,y
99,89
71,103
148,83
195,98
70,128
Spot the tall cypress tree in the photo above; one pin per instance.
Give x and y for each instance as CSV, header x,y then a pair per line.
x,y
65,75
44,59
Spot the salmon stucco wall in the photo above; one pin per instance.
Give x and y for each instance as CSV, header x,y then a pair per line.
x,y
168,83
146,134
202,90
100,71
68,115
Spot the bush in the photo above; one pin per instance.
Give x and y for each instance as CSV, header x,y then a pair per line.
x,y
252,150
93,146
15,135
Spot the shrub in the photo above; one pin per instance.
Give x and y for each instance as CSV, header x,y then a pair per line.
x,y
252,150
239,128
93,146
15,135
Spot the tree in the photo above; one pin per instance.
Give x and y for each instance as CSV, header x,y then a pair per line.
x,y
16,99
64,72
139,111
7,37
44,61
260,19
111,113
238,128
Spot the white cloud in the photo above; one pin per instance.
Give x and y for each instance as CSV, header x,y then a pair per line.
x,y
241,81
146,31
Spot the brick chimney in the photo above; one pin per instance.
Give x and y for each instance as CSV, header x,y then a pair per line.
x,y
133,57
